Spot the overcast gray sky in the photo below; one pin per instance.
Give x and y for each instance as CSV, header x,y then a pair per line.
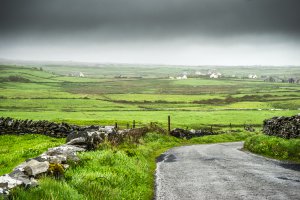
x,y
185,32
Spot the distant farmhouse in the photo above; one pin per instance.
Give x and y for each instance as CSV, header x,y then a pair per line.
x,y
252,76
215,75
81,74
182,77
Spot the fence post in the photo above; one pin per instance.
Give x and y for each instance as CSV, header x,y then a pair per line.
x,y
116,125
127,125
133,124
169,124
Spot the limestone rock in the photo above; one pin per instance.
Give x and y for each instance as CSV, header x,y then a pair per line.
x,y
34,167
77,141
7,182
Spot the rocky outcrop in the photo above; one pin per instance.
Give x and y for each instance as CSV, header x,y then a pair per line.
x,y
188,134
285,127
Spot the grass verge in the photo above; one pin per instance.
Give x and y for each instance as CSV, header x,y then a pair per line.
x,y
116,172
15,149
274,147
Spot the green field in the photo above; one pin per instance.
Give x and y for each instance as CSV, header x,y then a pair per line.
x,y
15,149
116,172
100,98
126,171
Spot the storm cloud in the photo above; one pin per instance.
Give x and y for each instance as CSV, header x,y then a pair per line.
x,y
156,31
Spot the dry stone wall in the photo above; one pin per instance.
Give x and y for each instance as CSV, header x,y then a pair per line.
x,y
55,160
60,130
285,127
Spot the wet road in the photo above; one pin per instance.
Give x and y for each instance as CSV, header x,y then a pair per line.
x,y
223,171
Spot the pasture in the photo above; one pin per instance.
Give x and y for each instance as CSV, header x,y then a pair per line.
x,y
146,95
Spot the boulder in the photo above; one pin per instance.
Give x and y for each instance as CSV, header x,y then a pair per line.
x,y
34,167
77,141
7,182
67,151
21,176
86,139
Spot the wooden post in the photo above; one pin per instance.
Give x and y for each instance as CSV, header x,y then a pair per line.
x,y
127,125
116,125
133,124
211,128
169,123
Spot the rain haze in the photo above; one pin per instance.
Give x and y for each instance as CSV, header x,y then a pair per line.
x,y
189,32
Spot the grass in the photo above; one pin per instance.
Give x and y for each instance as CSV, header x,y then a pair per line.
x,y
191,119
274,147
15,149
116,172
101,98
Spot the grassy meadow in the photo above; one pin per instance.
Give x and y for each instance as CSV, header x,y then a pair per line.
x,y
146,95
116,172
16,149
111,93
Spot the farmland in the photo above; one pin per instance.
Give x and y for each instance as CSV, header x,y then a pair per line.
x,y
146,95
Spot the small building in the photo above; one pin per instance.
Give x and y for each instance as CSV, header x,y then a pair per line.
x,y
252,76
171,77
214,75
81,74
181,77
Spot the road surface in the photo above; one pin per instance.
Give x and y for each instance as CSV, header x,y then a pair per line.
x,y
224,171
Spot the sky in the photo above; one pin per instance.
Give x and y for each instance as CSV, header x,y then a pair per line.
x,y
181,32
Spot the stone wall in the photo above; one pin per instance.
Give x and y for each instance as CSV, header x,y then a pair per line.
x,y
55,160
188,134
14,126
285,127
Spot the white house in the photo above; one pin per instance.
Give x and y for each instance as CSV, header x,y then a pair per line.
x,y
252,76
184,77
171,77
215,75
81,74
181,77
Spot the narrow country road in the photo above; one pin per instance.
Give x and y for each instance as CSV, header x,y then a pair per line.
x,y
223,171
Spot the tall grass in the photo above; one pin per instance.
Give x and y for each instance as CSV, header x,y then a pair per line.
x,y
274,147
15,149
115,172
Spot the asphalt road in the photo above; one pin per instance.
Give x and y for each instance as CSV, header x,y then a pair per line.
x,y
224,171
